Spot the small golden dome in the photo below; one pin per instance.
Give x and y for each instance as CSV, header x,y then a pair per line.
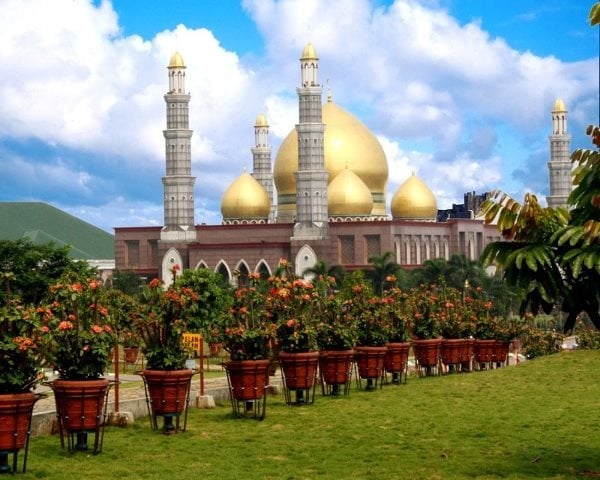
x,y
414,201
348,144
245,199
309,53
176,61
559,106
347,195
261,120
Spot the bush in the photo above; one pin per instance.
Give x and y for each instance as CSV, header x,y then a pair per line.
x,y
589,339
536,342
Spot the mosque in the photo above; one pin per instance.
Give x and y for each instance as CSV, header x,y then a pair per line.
x,y
323,198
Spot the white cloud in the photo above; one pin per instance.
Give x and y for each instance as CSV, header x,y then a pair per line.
x,y
429,88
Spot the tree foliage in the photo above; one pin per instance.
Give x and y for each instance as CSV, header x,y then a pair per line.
x,y
30,269
552,254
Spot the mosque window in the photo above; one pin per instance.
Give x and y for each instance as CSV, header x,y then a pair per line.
x,y
132,253
373,245
346,245
154,257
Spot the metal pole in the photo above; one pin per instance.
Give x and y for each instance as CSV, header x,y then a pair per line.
x,y
116,360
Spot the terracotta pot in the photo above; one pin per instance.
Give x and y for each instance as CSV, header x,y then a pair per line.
x,y
15,419
336,366
168,390
248,379
81,409
452,351
131,354
427,352
370,361
483,350
501,351
215,348
15,427
396,357
466,354
80,404
299,370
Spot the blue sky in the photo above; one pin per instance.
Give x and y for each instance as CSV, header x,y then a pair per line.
x,y
459,91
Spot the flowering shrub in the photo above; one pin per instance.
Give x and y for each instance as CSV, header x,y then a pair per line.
x,y
537,343
397,314
161,322
370,313
291,304
336,327
245,331
427,311
76,329
589,338
19,353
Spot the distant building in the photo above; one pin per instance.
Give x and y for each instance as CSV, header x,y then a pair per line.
x,y
42,223
324,198
469,209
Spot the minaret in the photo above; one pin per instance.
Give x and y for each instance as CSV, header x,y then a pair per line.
x,y
178,182
261,160
311,178
559,166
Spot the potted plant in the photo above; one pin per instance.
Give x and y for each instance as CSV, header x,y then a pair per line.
x,y
485,328
427,340
396,312
291,305
373,329
131,346
457,348
336,337
19,373
78,339
247,335
161,321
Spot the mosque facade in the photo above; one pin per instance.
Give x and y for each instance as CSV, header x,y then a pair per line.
x,y
323,199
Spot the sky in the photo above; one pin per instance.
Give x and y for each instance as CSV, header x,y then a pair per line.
x,y
458,91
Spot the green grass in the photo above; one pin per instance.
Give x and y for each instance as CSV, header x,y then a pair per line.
x,y
539,420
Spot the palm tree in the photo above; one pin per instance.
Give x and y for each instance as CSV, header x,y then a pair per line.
x,y
384,266
321,269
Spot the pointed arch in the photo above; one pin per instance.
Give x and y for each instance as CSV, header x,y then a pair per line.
x,y
171,258
242,272
201,264
223,269
305,258
263,269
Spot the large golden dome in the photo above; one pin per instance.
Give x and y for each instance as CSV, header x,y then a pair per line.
x,y
347,195
348,144
414,201
245,199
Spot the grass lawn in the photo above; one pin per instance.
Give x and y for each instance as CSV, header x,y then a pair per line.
x,y
538,420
